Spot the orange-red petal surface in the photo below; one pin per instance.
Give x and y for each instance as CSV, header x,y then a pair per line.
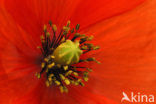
x,y
31,15
12,89
128,53
21,25
53,96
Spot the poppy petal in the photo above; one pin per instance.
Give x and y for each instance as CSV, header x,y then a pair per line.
x,y
16,62
11,32
31,15
128,47
89,12
31,23
12,89
53,96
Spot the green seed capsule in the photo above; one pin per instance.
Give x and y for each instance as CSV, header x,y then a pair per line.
x,y
67,53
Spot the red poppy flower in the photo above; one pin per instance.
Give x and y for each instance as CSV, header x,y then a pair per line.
x,y
127,50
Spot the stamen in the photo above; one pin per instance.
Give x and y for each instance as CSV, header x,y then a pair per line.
x,y
61,53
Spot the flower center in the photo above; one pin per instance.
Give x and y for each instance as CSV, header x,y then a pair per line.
x,y
61,52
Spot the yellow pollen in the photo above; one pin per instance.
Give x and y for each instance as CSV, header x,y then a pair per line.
x,y
65,67
42,65
51,65
67,81
57,82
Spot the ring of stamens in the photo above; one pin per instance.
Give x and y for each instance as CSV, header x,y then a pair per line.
x,y
58,74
